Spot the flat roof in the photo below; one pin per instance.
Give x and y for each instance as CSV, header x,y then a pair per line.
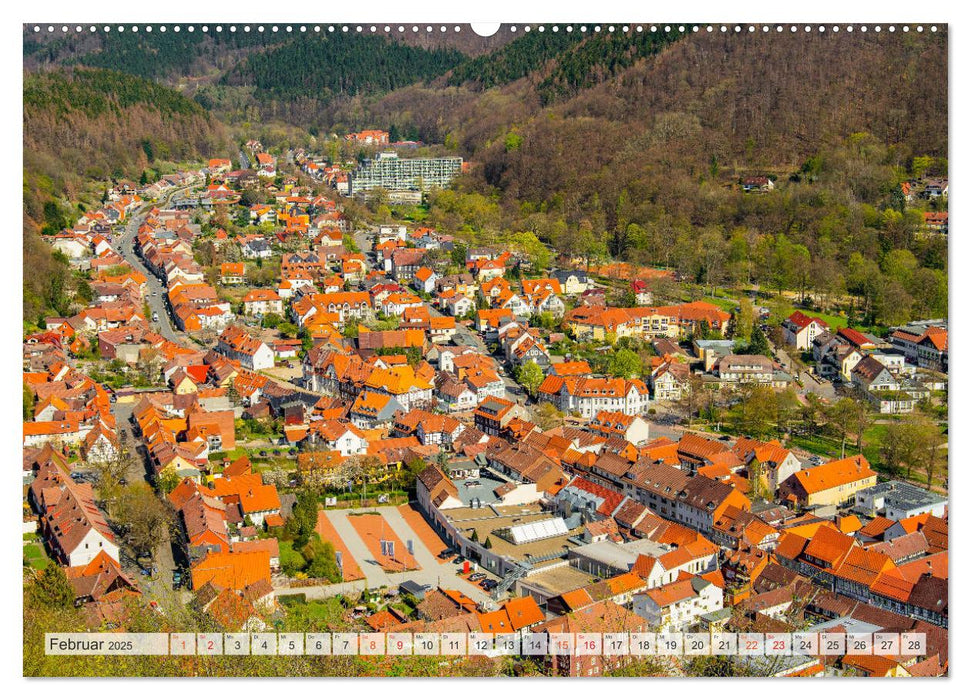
x,y
619,556
559,579
485,492
485,521
901,493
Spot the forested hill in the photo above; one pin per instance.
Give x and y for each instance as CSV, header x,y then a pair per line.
x,y
645,160
563,63
85,125
199,55
340,64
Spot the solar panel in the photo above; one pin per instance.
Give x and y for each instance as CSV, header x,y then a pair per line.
x,y
540,530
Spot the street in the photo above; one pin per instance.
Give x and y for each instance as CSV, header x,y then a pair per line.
x,y
156,290
810,383
139,469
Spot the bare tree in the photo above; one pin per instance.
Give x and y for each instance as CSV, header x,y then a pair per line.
x,y
145,518
112,469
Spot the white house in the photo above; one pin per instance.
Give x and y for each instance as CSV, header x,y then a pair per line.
x,y
800,330
236,344
675,606
459,305
345,438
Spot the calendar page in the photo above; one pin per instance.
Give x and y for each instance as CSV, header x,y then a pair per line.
x,y
546,349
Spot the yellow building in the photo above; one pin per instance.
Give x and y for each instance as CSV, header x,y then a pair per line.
x,y
829,484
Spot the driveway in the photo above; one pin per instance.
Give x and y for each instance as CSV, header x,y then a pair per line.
x,y
810,383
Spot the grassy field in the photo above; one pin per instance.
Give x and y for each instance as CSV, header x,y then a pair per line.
x,y
832,321
826,446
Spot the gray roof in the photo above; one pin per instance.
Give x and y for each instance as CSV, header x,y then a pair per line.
x,y
901,495
562,275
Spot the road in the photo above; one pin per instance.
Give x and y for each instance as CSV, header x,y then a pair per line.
x,y
432,572
159,587
139,469
156,298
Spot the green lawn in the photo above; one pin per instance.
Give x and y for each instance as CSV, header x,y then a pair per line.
x,y
35,555
232,454
825,446
832,321
728,305
817,444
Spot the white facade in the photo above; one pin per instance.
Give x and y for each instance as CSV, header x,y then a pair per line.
x,y
680,614
87,549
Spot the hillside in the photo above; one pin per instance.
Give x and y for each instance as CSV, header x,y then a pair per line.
x,y
87,125
642,136
645,162
338,64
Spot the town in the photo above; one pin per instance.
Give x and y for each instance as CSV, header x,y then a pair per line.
x,y
287,402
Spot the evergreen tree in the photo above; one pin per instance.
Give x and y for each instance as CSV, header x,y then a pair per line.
x,y
759,344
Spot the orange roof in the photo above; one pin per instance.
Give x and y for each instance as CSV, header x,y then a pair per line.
x,y
381,621
231,570
829,545
864,566
678,590
848,524
577,368
261,295
249,490
625,583
496,622
577,599
833,474
523,612
232,268
52,427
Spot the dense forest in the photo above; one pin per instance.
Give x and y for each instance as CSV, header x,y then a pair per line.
x,y
87,125
515,60
340,64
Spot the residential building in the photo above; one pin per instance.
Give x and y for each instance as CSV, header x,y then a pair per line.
x,y
830,484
